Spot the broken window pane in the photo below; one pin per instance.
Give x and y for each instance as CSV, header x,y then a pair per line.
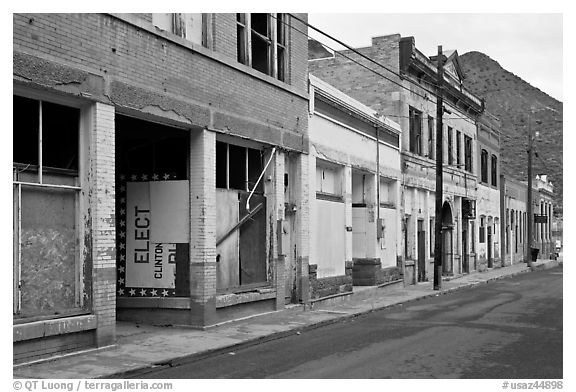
x,y
49,247
260,54
237,168
259,24
60,136
25,135
254,170
221,164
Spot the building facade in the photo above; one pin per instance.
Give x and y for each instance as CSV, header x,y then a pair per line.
x,y
488,203
406,94
354,166
514,235
154,156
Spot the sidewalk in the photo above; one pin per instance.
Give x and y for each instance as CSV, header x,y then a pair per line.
x,y
141,348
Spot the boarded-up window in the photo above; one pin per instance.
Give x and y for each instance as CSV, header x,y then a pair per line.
x,y
328,178
47,270
189,26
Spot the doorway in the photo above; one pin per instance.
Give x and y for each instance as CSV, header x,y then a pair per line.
x,y
465,263
421,252
447,228
489,245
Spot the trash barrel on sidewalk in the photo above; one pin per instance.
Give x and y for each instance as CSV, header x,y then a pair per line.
x,y
534,253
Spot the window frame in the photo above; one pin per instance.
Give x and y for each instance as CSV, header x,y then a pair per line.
x,y
277,66
484,166
450,145
431,146
415,130
260,189
178,26
468,162
79,180
494,170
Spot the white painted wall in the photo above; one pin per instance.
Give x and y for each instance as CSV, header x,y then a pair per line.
x,y
329,247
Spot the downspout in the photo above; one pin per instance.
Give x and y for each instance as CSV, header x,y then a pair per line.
x,y
259,179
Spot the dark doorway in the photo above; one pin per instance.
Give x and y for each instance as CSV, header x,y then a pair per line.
x,y
465,263
447,227
421,252
489,245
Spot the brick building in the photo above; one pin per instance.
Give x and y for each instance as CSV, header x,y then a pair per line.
x,y
407,95
354,165
154,155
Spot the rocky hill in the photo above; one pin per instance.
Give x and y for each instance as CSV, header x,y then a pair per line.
x,y
511,99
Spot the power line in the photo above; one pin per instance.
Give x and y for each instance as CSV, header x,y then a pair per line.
x,y
373,70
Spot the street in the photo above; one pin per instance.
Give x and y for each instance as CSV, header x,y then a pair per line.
x,y
509,328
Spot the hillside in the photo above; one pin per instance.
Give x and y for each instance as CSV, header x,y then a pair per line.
x,y
510,99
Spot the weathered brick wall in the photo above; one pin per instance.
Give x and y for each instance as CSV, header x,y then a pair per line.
x,y
369,272
126,63
366,86
102,206
324,287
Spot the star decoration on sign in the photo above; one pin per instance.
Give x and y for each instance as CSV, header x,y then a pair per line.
x,y
132,292
122,246
121,292
122,211
122,258
121,280
121,269
133,177
123,200
166,176
122,223
154,292
122,234
155,177
143,292
123,188
144,177
122,177
164,293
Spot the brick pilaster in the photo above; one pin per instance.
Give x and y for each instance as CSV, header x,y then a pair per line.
x,y
202,227
101,158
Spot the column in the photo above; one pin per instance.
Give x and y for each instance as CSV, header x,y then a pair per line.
x,y
202,228
99,120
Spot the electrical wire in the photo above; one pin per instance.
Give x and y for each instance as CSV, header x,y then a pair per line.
x,y
374,71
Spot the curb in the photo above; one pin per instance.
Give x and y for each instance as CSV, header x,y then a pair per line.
x,y
190,358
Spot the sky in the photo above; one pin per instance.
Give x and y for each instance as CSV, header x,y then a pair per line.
x,y
528,45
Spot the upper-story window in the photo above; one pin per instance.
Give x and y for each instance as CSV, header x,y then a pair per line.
x,y
494,171
468,153
430,137
450,146
189,26
458,148
484,166
261,43
415,124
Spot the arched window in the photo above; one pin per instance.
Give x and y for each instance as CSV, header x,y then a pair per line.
x,y
484,166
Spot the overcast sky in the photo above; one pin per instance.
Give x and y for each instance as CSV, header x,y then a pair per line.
x,y
528,45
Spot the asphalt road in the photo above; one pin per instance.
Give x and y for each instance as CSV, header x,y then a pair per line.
x,y
510,328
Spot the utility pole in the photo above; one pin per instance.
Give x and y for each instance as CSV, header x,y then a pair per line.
x,y
439,182
529,194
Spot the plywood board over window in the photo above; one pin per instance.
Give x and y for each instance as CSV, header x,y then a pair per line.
x,y
240,233
46,186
